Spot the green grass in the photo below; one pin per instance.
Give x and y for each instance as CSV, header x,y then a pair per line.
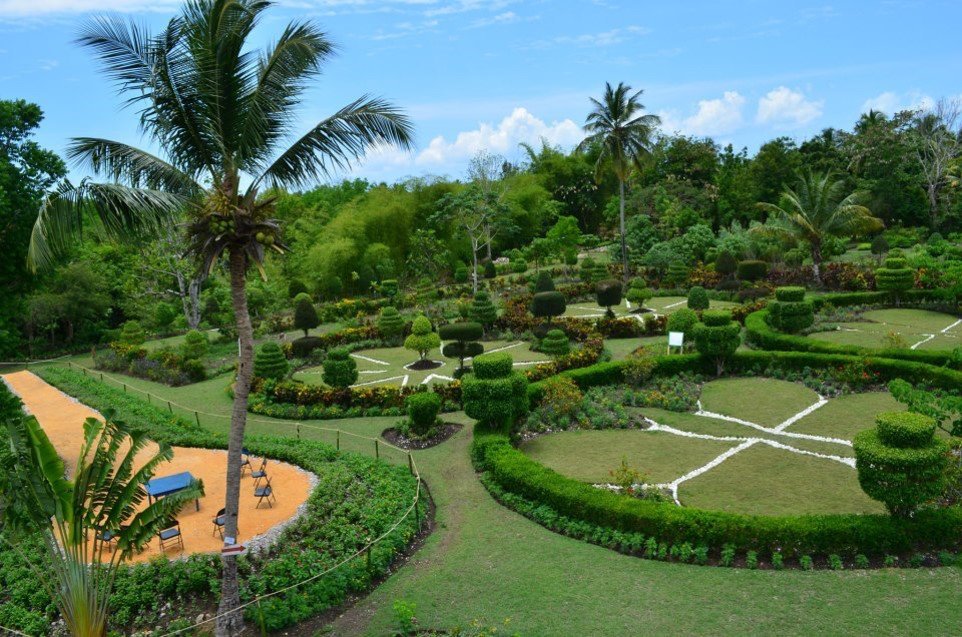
x,y
590,455
660,304
484,561
913,326
621,348
763,401
845,416
765,481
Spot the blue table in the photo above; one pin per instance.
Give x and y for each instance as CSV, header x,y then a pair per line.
x,y
159,487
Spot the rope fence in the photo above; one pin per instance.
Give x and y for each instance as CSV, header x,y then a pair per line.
x,y
378,445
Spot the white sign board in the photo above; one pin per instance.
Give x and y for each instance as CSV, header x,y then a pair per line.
x,y
676,339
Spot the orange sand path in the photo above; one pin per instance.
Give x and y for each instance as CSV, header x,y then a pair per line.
x,y
62,419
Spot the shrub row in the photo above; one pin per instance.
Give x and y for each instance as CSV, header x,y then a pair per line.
x,y
356,498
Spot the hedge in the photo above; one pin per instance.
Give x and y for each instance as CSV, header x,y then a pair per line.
x,y
378,494
760,334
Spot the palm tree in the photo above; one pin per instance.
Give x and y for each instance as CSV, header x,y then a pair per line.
x,y
817,207
105,495
220,113
617,126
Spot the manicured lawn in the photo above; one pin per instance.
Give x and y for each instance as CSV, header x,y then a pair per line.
x,y
845,416
386,365
590,455
660,305
621,348
765,481
920,328
763,401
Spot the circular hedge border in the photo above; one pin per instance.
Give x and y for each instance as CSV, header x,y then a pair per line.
x,y
547,496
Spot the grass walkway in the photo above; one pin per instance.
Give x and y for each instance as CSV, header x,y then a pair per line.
x,y
484,561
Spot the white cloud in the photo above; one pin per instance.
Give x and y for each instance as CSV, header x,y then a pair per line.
x,y
890,102
785,108
23,8
714,117
502,18
602,39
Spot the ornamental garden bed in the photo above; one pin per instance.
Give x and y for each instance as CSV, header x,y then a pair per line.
x,y
396,438
911,328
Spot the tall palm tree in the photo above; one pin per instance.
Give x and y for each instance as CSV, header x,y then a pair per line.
x,y
220,113
106,494
617,126
818,206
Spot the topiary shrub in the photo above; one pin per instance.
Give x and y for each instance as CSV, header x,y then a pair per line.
x,y
725,264
555,343
880,246
340,370
546,305
389,288
461,274
698,298
591,271
751,270
717,337
305,314
423,338
683,320
305,346
490,271
196,345
638,292
483,310
390,324
895,276
794,257
544,283
519,266
269,362
423,409
426,291
295,287
677,274
465,336
608,293
790,312
132,334
900,462
495,394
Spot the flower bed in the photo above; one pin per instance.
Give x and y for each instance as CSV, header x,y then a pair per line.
x,y
161,365
357,498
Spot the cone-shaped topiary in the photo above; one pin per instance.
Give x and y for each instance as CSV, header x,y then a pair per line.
x,y
895,275
196,345
698,298
423,338
426,291
677,274
717,337
900,462
587,271
556,343
544,283
608,293
305,315
269,362
483,310
495,394
389,288
489,270
132,334
390,324
464,336
340,370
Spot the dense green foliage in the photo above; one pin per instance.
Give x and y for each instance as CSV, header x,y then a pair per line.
x,y
548,304
483,311
900,463
340,370
608,294
269,362
422,338
422,409
683,321
717,337
555,343
390,323
790,312
895,276
305,314
494,394
697,298
465,336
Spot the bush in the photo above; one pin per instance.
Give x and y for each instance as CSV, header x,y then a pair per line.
x,y
638,292
390,323
790,312
461,274
489,270
697,298
132,334
677,274
495,394
483,310
422,338
752,270
548,305
790,294
426,291
879,245
608,294
519,266
340,370
725,264
588,270
305,314
900,462
269,362
423,408
465,336
555,343
717,337
895,276
303,347
682,320
295,287
544,283
196,345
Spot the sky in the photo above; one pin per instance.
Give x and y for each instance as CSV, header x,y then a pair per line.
x,y
490,74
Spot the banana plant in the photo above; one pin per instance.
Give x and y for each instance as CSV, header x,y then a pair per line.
x,y
71,515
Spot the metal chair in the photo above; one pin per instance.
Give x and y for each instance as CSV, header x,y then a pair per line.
x,y
245,460
170,535
219,521
263,493
260,473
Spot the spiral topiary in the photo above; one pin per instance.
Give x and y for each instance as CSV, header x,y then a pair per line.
x,y
390,323
556,343
895,276
269,362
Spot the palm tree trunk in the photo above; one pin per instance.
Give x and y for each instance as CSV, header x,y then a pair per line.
x,y
233,622
817,262
621,216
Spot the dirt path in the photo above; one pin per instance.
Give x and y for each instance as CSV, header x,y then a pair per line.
x,y
62,419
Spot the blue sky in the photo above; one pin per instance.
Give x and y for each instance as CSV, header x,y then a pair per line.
x,y
488,74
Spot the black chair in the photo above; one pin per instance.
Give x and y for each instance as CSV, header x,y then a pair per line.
x,y
219,521
170,535
245,460
261,473
263,493
109,538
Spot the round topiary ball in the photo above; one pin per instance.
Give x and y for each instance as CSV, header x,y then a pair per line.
x,y
698,298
